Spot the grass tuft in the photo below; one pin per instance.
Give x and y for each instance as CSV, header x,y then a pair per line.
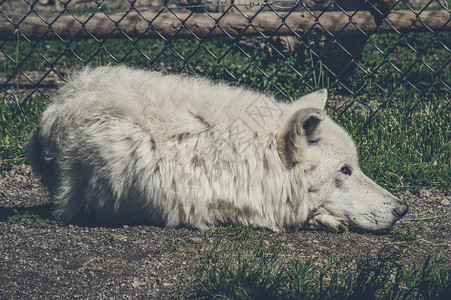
x,y
31,219
237,272
18,120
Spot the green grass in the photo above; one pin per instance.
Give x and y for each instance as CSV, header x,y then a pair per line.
x,y
217,59
109,239
31,219
245,271
385,52
18,120
401,149
403,236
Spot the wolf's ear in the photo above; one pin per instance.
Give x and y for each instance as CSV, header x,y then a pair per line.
x,y
302,129
316,99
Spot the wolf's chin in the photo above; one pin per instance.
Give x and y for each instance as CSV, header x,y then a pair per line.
x,y
379,231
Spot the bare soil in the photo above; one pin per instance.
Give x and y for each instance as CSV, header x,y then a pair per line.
x,y
67,261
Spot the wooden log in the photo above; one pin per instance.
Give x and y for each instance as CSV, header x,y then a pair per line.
x,y
185,25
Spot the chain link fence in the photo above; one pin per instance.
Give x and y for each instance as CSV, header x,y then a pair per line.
x,y
368,54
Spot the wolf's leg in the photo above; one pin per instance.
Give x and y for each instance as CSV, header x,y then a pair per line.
x,y
323,220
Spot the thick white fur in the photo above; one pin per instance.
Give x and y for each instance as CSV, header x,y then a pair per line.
x,y
119,145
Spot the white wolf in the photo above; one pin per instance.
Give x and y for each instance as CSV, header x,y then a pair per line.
x,y
119,145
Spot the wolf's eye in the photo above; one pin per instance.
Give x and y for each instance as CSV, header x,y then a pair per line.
x,y
346,170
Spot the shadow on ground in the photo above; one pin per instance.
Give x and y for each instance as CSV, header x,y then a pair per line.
x,y
43,211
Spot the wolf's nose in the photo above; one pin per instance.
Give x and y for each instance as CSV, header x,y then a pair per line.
x,y
401,210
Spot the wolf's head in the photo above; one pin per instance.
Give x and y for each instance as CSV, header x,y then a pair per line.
x,y
319,150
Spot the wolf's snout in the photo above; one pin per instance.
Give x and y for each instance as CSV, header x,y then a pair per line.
x,y
401,210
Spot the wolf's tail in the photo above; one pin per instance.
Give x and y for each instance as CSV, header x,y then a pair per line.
x,y
42,161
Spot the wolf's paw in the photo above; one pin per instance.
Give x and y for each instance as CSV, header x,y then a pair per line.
x,y
327,222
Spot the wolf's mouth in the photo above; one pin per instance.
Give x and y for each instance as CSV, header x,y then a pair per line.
x,y
379,231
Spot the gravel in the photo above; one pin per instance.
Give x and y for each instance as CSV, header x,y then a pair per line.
x,y
66,261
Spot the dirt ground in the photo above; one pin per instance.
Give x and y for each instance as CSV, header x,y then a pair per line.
x,y
66,261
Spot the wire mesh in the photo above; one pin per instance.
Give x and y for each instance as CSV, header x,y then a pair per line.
x,y
363,52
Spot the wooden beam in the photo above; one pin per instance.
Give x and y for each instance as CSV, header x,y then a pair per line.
x,y
185,25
